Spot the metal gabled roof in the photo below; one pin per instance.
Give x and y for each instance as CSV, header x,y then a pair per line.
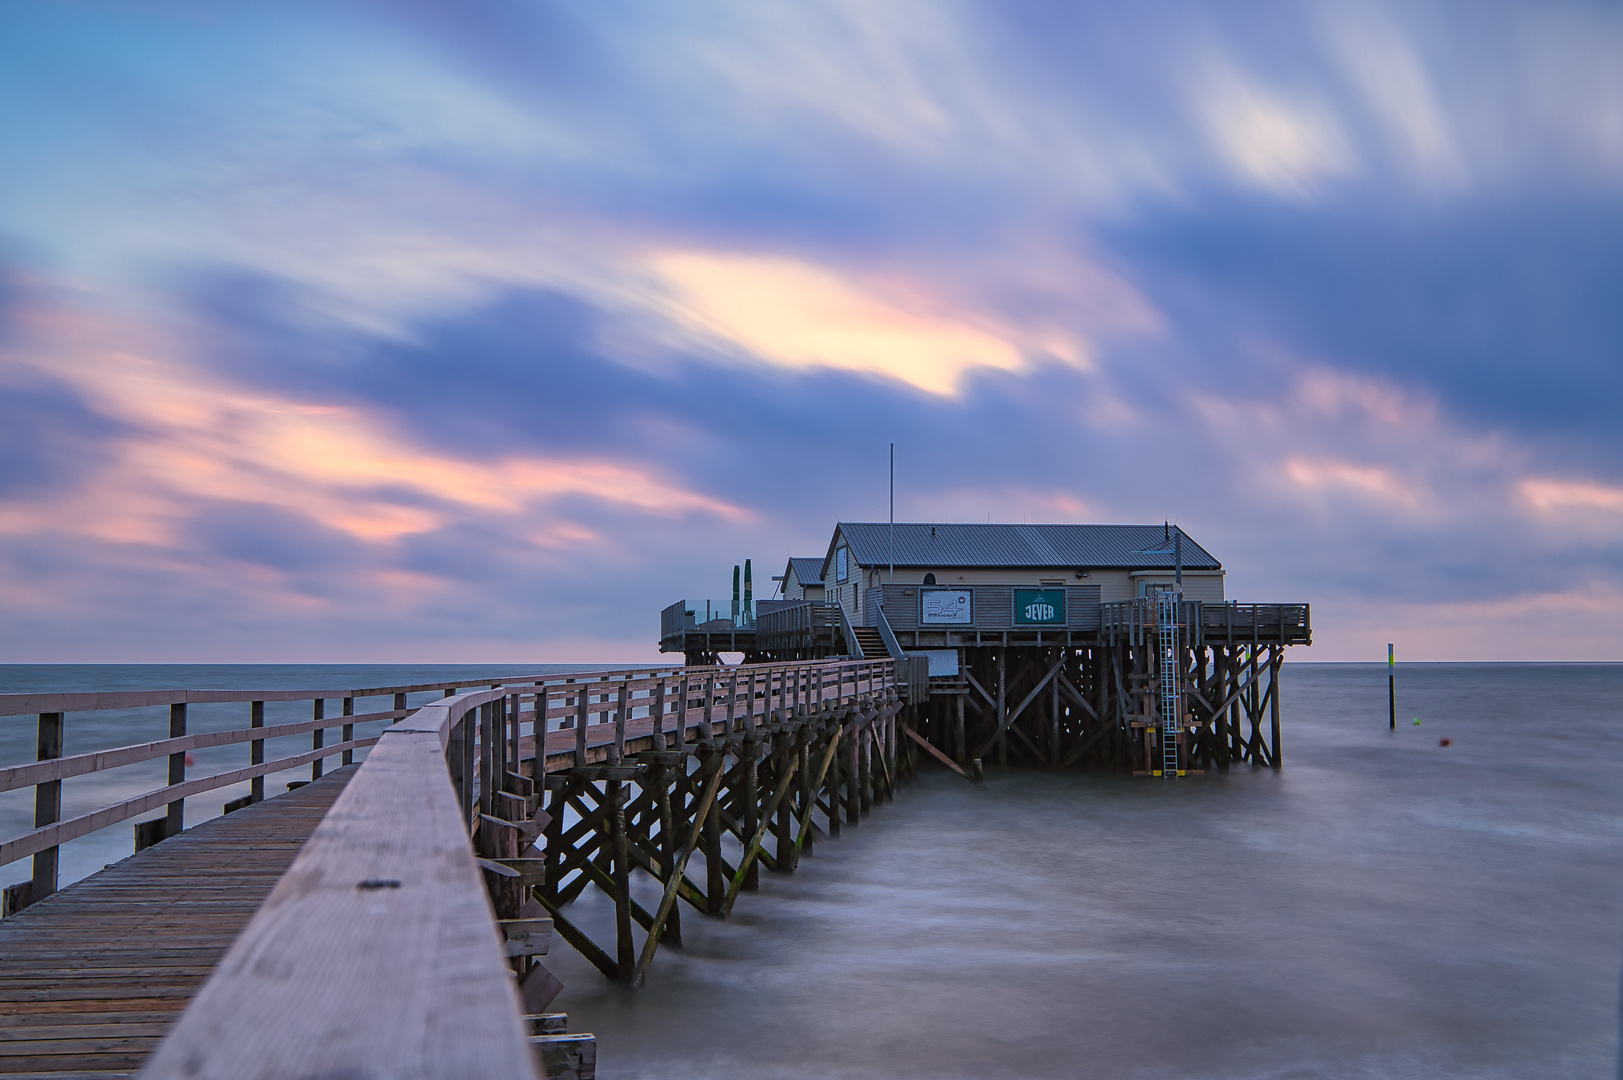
x,y
808,571
1132,547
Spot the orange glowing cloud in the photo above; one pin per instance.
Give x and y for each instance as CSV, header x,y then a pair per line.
x,y
789,312
195,436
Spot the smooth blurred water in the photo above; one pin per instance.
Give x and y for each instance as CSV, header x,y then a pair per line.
x,y
1384,907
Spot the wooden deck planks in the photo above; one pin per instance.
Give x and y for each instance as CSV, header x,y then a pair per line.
x,y
93,976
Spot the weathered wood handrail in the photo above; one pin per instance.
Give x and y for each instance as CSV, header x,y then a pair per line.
x,y
559,692
23,704
46,774
62,768
58,833
377,953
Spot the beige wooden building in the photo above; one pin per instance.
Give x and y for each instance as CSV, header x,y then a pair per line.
x,y
919,571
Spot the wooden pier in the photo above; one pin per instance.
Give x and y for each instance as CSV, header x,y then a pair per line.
x,y
389,918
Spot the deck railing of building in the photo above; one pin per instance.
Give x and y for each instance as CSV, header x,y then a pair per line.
x,y
795,625
1263,624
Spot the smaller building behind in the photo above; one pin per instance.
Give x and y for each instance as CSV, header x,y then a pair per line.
x,y
803,579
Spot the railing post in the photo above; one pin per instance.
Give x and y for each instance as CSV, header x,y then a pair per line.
x,y
256,750
47,806
621,708
348,732
658,712
682,715
580,725
318,738
516,732
453,760
469,730
487,756
175,822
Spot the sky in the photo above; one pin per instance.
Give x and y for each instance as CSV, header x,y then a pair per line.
x,y
423,331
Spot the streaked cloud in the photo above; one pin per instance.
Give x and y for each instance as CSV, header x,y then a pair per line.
x,y
1271,137
1397,89
482,331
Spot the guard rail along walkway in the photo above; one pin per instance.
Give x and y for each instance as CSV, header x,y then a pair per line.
x,y
403,939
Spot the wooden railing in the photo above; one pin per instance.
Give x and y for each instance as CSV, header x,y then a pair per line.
x,y
51,768
377,953
1267,624
627,695
795,625
677,619
1288,624
679,701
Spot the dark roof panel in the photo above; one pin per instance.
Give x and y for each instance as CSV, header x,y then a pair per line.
x,y
1057,546
807,571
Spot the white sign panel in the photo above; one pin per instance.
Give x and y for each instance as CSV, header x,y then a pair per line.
x,y
943,662
946,607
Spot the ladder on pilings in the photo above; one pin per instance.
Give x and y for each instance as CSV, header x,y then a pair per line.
x,y
1167,603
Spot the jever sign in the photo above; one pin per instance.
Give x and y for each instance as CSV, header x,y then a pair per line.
x,y
1039,607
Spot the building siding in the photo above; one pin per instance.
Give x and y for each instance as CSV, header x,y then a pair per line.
x,y
993,607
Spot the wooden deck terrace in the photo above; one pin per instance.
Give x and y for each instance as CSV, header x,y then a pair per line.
x,y
1203,623
402,938
812,629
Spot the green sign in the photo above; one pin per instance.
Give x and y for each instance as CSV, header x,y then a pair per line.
x,y
1039,607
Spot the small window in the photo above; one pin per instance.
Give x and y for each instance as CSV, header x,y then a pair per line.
x,y
929,579
842,564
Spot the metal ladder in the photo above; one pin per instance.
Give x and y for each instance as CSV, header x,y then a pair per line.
x,y
1166,619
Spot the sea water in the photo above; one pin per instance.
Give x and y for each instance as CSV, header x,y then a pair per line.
x,y
86,731
1384,906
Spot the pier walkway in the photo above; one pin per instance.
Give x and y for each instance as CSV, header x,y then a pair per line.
x,y
93,976
386,918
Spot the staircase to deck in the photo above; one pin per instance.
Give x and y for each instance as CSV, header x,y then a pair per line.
x,y
870,642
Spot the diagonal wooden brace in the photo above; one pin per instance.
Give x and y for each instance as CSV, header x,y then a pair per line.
x,y
674,882
754,847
